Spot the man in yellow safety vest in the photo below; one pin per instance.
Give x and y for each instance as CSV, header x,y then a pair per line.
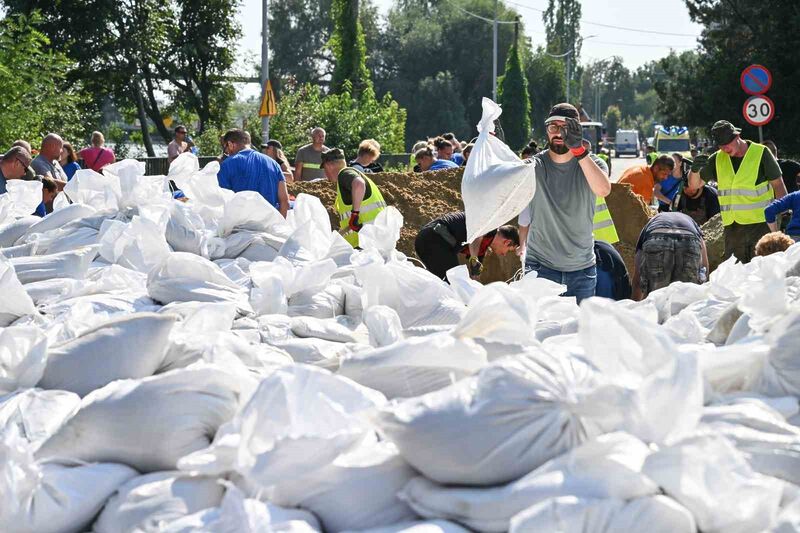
x,y
748,179
358,199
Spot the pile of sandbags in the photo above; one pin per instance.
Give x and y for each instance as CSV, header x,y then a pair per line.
x,y
210,366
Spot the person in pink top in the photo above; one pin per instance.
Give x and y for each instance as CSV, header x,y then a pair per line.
x,y
97,156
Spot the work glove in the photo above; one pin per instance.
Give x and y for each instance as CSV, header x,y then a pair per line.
x,y
699,162
572,134
475,267
354,224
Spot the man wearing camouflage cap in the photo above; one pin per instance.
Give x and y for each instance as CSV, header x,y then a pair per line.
x,y
748,179
358,199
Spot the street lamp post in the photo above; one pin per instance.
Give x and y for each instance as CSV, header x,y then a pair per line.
x,y
568,55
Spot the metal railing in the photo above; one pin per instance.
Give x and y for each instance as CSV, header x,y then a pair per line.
x,y
158,166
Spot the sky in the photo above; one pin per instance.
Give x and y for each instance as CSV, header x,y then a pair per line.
x,y
636,48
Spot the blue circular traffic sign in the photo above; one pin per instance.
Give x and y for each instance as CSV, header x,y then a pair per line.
x,y
756,79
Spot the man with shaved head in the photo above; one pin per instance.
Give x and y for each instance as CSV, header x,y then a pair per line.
x,y
46,163
309,158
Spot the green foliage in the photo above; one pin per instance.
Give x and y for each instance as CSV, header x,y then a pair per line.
x,y
349,49
615,83
208,142
613,119
514,98
36,98
546,83
347,120
437,107
562,22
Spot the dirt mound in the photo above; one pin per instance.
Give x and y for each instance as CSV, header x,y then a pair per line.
x,y
421,197
715,241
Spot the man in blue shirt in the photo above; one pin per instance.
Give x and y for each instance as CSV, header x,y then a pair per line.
x,y
427,161
247,170
789,202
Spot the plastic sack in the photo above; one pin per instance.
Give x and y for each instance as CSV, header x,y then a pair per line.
x,y
73,264
328,329
13,230
496,185
384,232
431,526
314,351
23,355
356,491
25,196
415,366
131,346
146,503
299,419
237,514
34,414
58,219
15,301
713,480
653,514
150,423
94,189
606,467
383,325
52,498
248,210
512,417
780,375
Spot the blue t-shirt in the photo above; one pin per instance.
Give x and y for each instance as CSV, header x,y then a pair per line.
x,y
790,201
439,164
457,158
41,211
670,187
70,169
251,171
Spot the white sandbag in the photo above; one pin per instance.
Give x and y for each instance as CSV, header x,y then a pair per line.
x,y
73,264
384,325
306,243
146,503
94,189
328,329
512,417
496,185
713,480
13,230
150,423
606,467
139,245
499,313
736,367
65,239
185,231
431,526
237,271
15,301
23,355
328,303
203,190
299,419
780,375
237,514
184,277
305,277
383,233
415,366
36,414
248,210
52,497
665,385
357,491
653,514
314,351
128,347
59,218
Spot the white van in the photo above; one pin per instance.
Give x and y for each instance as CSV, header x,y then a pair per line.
x,y
627,143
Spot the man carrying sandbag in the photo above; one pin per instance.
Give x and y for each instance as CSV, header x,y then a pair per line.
x,y
439,243
556,227
358,199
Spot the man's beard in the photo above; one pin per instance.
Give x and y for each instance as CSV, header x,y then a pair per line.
x,y
560,149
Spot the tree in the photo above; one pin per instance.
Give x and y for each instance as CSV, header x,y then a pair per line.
x,y
613,119
546,82
514,98
562,22
349,48
613,81
33,81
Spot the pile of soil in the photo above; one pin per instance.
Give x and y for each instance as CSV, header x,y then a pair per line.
x,y
715,241
421,197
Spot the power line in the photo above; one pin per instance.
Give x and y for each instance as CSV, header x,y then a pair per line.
x,y
482,18
623,28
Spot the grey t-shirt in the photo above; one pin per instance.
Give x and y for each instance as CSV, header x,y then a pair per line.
x,y
560,215
311,160
42,167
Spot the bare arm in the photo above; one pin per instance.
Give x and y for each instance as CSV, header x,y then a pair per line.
x,y
704,255
596,177
359,189
779,187
658,194
523,241
283,198
475,247
298,170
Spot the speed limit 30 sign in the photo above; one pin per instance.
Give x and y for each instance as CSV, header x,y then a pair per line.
x,y
758,110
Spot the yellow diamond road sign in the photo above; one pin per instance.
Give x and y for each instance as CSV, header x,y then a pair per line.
x,y
269,108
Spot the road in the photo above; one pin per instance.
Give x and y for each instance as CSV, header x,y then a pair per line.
x,y
619,165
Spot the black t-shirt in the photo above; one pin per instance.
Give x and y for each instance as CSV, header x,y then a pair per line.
x,y
371,169
701,208
345,180
609,260
456,224
790,169
671,220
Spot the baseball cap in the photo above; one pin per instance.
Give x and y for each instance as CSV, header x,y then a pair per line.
x,y
332,154
562,111
723,132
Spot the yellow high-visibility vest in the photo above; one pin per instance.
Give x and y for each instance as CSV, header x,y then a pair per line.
x,y
741,200
604,229
370,209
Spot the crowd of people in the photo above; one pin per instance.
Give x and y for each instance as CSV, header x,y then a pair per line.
x,y
566,233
